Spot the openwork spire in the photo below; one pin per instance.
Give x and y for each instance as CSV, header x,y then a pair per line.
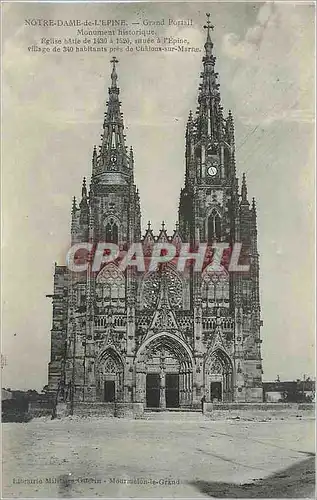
x,y
209,112
209,135
113,155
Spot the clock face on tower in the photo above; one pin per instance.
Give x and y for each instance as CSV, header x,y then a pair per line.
x,y
212,163
212,170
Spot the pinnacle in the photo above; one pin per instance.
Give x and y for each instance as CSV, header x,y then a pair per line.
x,y
189,121
244,190
84,189
74,205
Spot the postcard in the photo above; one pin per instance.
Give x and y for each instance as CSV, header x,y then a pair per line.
x,y
158,331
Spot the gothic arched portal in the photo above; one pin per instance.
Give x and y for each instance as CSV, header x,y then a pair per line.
x,y
109,376
164,375
218,377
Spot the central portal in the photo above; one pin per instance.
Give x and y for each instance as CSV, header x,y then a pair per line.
x,y
172,390
162,390
164,377
153,390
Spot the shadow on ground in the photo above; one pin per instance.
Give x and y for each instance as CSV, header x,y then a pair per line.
x,y
297,481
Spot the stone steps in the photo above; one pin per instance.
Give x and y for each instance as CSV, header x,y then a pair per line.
x,y
177,410
178,415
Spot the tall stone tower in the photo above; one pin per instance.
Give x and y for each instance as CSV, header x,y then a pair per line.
x,y
212,211
161,338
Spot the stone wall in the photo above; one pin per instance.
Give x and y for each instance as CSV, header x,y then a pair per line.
x,y
257,406
119,410
40,409
258,411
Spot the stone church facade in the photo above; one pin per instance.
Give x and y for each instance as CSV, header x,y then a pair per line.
x,y
162,338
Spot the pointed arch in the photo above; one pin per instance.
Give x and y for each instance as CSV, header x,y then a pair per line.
x,y
210,229
218,374
165,355
109,376
214,227
111,231
109,350
217,227
110,287
220,355
168,338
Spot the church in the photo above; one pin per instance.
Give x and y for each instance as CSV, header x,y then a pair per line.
x,y
161,339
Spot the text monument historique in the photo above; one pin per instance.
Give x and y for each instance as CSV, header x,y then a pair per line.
x,y
163,338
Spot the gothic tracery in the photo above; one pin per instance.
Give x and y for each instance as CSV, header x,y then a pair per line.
x,y
215,289
151,288
110,287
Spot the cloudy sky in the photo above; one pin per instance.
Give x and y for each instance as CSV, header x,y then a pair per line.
x,y
53,108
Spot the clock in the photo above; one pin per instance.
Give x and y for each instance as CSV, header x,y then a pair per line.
x,y
212,170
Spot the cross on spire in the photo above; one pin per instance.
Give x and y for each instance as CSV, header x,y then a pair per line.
x,y
114,75
114,61
208,26
208,45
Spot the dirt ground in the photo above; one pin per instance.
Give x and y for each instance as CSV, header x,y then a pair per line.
x,y
167,458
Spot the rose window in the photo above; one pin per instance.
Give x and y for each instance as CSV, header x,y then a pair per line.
x,y
152,286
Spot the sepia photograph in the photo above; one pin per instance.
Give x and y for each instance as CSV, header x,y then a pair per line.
x,y
158,249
